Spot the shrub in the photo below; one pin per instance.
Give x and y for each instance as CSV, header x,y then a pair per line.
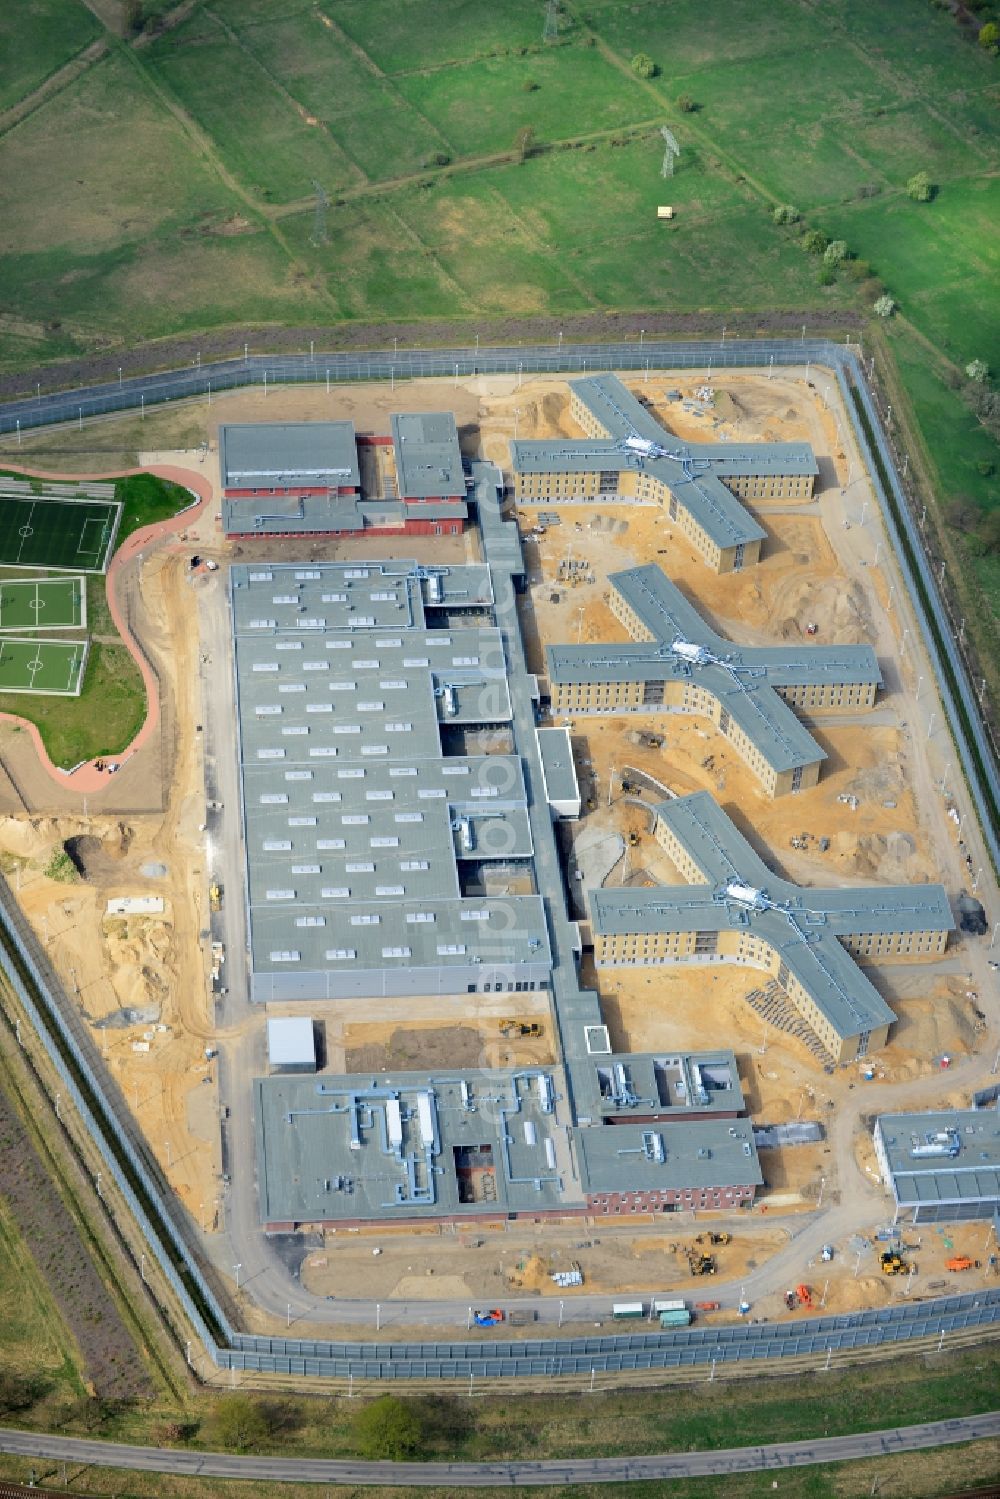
x,y
826,276
986,468
240,1422
388,1428
529,86
920,188
815,241
835,252
643,65
884,307
436,159
989,37
687,105
978,370
61,867
785,213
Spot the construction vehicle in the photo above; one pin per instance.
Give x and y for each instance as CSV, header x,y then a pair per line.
x,y
519,1028
790,1300
710,1238
701,1264
804,1294
961,1262
706,1306
633,839
488,1319
891,1262
215,895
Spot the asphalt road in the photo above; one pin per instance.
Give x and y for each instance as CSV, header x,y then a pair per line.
x,y
512,1474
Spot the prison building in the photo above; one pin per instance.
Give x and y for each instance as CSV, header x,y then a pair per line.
x,y
642,1087
322,479
941,1167
628,457
374,833
668,1167
342,1151
735,910
678,664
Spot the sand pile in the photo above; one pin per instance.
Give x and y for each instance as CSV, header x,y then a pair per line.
x,y
841,613
890,858
139,958
29,838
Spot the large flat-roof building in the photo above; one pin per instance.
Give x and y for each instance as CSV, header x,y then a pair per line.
x,y
371,844
735,910
340,1151
678,664
322,479
629,457
941,1167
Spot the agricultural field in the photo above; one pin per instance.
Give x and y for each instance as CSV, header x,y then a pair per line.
x,y
473,170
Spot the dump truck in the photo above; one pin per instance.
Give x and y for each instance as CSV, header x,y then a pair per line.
x,y
519,1028
804,1294
713,1238
215,895
961,1262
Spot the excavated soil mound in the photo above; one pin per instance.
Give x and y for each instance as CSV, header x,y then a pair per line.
x,y
97,859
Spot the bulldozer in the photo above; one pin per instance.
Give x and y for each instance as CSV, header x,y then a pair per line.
x,y
891,1262
701,1264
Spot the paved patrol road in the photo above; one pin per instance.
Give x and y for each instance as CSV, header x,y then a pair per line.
x,y
487,1475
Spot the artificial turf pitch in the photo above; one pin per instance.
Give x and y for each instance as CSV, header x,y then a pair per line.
x,y
42,604
67,535
55,667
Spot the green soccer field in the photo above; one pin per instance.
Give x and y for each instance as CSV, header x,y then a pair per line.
x,y
66,535
53,667
43,604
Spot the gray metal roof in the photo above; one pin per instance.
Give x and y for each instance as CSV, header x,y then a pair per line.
x,y
281,455
558,769
690,470
802,924
428,457
321,514
952,1156
356,822
664,1083
743,678
708,1153
412,1145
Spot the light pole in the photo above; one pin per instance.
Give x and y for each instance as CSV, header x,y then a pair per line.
x,y
579,628
97,1184
142,1268
236,1271
930,725
642,335
920,683
864,511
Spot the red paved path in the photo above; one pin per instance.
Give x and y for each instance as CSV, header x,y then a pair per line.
x,y
86,778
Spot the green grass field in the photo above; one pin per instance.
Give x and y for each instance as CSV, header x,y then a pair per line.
x,y
43,603
53,668
40,531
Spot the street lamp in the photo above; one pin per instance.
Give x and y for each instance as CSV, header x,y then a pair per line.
x,y
237,1269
